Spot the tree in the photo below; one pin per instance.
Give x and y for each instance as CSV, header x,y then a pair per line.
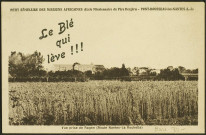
x,y
153,73
16,64
99,75
114,72
123,65
124,71
21,65
195,71
88,73
148,71
135,70
130,71
188,71
181,69
167,74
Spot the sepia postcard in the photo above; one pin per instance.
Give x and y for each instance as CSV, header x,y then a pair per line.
x,y
103,67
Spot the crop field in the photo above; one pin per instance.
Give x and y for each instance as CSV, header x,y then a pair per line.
x,y
104,103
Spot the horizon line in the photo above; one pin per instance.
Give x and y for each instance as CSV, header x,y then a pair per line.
x,y
125,66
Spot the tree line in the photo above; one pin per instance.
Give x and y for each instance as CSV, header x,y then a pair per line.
x,y
28,67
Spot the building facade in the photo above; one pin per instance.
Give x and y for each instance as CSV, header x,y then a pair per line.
x,y
80,67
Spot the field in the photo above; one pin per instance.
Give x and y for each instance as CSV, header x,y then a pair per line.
x,y
104,103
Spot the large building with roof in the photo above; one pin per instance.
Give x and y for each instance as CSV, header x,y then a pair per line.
x,y
80,67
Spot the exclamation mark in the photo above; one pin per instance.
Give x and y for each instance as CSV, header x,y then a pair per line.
x,y
81,46
72,50
76,48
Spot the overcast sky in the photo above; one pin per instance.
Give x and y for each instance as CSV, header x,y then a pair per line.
x,y
143,38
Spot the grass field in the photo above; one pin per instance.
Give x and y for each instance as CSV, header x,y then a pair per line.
x,y
104,103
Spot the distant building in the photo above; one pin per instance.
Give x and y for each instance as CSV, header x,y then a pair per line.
x,y
62,67
80,67
83,67
157,71
143,70
98,68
